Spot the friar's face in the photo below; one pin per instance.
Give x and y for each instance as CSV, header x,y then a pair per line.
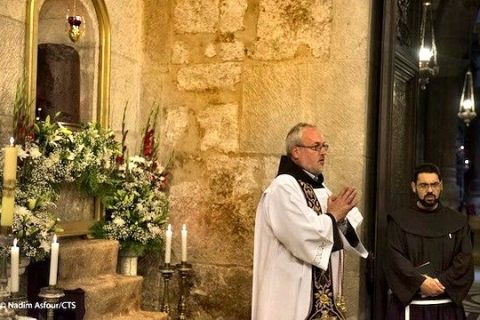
x,y
428,188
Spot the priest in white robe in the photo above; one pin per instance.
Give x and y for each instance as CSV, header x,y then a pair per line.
x,y
301,231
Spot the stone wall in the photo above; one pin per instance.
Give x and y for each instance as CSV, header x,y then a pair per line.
x,y
230,77
12,37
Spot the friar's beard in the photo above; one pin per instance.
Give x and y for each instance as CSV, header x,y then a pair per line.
x,y
426,204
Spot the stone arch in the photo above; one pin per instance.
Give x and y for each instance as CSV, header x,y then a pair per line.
x,y
101,94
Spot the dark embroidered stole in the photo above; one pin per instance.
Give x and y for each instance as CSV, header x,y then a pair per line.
x,y
323,301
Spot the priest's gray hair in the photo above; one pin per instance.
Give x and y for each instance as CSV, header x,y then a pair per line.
x,y
294,136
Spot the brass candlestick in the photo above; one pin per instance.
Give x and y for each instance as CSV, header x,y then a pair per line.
x,y
51,295
167,273
184,269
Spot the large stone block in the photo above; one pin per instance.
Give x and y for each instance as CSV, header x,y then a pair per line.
x,y
126,27
11,62
220,124
276,97
13,9
352,289
180,53
6,128
124,88
233,177
342,106
232,51
232,13
148,267
79,258
158,88
332,96
175,126
341,171
286,25
157,32
351,26
193,16
221,292
108,295
270,170
209,76
210,50
219,208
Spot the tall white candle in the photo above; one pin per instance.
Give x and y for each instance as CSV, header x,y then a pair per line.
x,y
168,244
52,280
9,182
184,243
14,262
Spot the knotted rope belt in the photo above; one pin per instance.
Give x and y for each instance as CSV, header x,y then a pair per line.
x,y
424,302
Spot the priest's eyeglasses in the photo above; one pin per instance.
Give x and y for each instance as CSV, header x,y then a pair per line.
x,y
426,186
316,147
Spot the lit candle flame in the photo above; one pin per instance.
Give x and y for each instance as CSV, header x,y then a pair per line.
x,y
15,242
12,141
54,239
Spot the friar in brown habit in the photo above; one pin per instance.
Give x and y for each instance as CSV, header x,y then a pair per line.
x,y
429,265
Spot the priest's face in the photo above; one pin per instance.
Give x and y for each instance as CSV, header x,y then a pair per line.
x,y
311,153
428,188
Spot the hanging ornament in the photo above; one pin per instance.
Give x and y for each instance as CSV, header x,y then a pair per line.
x,y
75,24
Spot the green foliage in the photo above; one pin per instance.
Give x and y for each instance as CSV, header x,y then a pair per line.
x,y
22,113
132,189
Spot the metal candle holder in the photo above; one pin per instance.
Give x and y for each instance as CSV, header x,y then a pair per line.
x,y
167,273
184,269
6,313
19,302
51,295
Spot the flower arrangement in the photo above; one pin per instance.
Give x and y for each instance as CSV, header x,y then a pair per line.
x,y
50,156
132,189
138,207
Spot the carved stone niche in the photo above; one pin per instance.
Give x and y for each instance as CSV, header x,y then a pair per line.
x,y
70,77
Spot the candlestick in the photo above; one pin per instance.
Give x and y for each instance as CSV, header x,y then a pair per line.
x,y
6,312
52,280
9,181
14,263
168,244
167,273
185,271
184,243
51,295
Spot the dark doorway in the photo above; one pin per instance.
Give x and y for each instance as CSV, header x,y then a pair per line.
x,y
58,83
417,125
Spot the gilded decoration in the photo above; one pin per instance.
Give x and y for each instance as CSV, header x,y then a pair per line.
x,y
103,84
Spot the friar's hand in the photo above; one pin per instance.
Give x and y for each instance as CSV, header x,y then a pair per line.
x,y
431,287
339,205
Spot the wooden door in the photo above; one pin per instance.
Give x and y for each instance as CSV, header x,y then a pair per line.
x,y
397,133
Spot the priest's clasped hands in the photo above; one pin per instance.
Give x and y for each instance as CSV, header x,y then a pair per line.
x,y
431,287
339,205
